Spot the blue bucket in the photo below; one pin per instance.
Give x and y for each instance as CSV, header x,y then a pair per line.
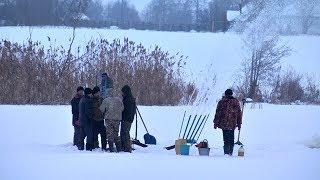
x,y
184,149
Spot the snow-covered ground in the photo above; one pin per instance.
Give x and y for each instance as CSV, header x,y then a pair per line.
x,y
224,50
36,144
281,142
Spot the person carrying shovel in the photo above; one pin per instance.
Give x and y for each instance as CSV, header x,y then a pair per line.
x,y
228,117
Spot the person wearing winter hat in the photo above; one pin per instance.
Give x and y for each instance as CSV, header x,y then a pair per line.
x,y
228,117
75,116
98,126
128,114
86,118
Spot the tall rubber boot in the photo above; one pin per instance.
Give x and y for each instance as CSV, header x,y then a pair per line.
x,y
226,149
96,144
231,149
111,146
89,147
104,147
118,146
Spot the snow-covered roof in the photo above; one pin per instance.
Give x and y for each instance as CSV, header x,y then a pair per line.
x,y
232,15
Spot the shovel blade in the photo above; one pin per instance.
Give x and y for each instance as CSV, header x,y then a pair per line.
x,y
238,143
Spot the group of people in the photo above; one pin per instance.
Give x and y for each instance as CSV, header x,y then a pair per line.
x,y
93,115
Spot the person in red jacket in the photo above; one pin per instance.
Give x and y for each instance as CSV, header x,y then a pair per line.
x,y
228,117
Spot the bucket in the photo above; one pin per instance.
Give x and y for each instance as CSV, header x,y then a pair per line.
x,y
204,151
184,149
177,145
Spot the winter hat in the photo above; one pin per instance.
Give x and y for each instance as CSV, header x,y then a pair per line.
x,y
126,90
228,92
80,88
95,90
88,91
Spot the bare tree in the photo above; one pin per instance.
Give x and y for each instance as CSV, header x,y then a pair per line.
x,y
312,91
264,61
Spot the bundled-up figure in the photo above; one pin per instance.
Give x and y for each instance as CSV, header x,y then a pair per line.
x,y
75,117
127,118
228,116
98,123
112,108
86,118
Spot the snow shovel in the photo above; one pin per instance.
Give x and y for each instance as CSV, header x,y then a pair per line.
x,y
238,142
135,140
148,138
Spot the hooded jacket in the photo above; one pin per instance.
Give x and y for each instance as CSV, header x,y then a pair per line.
x,y
129,104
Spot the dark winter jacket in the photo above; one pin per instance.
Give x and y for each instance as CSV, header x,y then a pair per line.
x,y
129,104
86,111
97,114
228,114
75,108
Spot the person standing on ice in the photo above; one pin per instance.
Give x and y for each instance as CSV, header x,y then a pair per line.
x,y
75,116
112,108
127,118
228,117
98,123
86,118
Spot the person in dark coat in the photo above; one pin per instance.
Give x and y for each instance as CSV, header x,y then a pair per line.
x,y
127,117
86,118
98,126
75,116
228,117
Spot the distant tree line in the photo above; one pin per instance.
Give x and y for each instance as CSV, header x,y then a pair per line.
x,y
31,74
183,15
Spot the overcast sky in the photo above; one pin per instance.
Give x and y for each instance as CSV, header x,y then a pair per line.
x,y
139,4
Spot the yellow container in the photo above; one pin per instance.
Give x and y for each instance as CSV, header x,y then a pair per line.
x,y
178,143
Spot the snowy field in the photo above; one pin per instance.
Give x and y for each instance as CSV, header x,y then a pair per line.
x,y
36,144
224,50
36,140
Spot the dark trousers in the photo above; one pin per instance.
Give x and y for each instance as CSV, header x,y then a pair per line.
x,y
228,138
77,135
87,129
99,128
125,135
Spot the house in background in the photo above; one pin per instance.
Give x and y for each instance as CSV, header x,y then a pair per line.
x,y
225,12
